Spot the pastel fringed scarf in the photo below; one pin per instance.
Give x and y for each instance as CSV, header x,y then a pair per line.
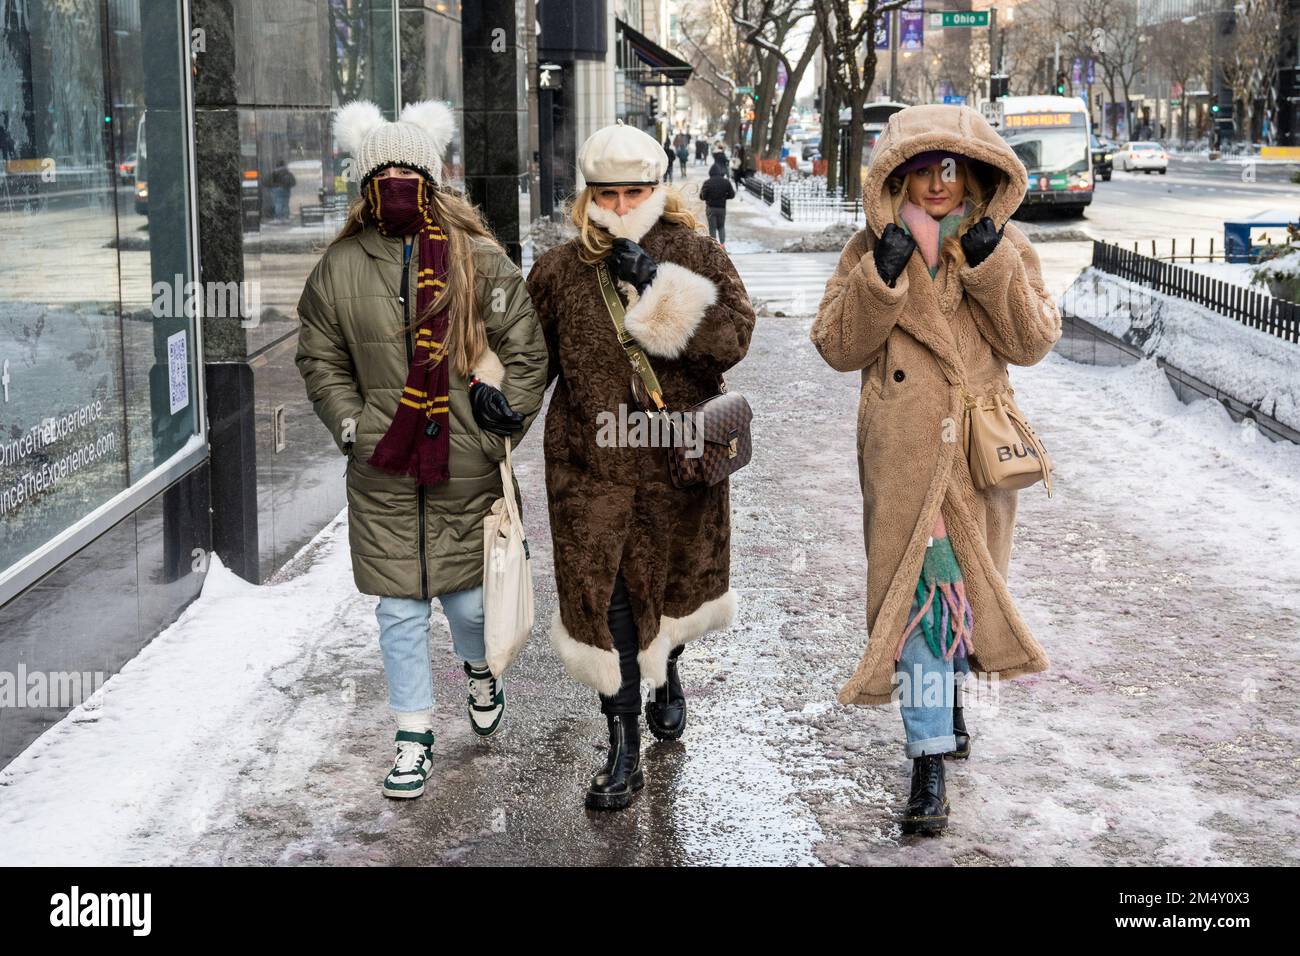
x,y
928,232
941,577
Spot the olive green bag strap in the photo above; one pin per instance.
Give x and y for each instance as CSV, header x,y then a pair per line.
x,y
635,354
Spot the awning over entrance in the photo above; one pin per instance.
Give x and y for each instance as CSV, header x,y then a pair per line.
x,y
656,66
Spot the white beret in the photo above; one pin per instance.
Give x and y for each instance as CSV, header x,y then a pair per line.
x,y
621,155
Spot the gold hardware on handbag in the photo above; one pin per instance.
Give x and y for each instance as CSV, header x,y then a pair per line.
x,y
724,418
1001,447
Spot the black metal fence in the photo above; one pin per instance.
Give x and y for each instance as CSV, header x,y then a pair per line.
x,y
1277,317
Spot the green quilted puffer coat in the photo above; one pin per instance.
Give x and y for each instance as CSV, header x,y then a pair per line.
x,y
406,540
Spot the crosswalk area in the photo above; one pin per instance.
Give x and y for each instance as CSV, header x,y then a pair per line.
x,y
789,282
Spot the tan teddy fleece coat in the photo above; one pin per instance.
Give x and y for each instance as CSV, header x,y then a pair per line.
x,y
915,345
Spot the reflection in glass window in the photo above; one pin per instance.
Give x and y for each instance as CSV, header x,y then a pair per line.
x,y
98,382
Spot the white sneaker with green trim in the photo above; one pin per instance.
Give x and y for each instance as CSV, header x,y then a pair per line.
x,y
487,701
412,765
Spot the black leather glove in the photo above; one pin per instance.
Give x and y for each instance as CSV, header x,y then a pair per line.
x,y
891,253
491,410
629,262
980,240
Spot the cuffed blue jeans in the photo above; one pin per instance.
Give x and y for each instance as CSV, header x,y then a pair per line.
x,y
928,687
404,640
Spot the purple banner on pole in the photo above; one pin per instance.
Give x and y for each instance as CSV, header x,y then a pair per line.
x,y
911,26
882,32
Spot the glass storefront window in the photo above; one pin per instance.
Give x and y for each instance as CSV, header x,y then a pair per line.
x,y
97,346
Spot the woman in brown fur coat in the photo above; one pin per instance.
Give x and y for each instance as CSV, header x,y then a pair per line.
x,y
641,566
940,292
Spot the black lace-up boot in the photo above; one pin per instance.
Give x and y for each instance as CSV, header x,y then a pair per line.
x,y
927,806
962,750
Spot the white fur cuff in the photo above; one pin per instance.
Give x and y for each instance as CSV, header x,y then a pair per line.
x,y
710,616
489,369
592,666
667,315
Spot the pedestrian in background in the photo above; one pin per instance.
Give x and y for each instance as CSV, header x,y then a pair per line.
x,y
422,355
716,192
282,183
641,566
672,158
930,303
683,156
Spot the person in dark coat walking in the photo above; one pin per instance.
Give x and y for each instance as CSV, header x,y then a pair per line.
x,y
672,157
715,192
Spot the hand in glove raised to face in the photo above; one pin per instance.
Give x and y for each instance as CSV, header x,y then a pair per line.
x,y
891,253
980,240
491,410
629,262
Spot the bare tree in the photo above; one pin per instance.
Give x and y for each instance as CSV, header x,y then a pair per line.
x,y
722,60
1250,62
768,31
843,35
1181,51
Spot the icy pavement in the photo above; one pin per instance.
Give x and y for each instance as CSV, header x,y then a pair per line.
x,y
1162,579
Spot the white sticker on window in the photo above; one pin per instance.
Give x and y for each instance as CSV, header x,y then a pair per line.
x,y
178,371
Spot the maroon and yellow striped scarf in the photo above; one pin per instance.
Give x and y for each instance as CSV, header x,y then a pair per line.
x,y
418,442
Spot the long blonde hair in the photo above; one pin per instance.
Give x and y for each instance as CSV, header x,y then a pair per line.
x,y
465,228
594,243
978,196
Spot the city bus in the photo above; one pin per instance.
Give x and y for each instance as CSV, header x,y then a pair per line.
x,y
1052,137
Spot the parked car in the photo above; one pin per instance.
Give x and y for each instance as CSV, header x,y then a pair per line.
x,y
1143,155
1103,158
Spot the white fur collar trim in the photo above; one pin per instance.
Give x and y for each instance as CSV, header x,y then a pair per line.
x,y
637,222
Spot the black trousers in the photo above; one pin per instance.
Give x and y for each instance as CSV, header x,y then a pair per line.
x,y
622,625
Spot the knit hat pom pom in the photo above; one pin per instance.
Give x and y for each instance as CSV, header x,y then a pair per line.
x,y
434,118
353,122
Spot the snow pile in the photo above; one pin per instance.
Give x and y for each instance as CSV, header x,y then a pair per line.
x,y
164,740
1252,366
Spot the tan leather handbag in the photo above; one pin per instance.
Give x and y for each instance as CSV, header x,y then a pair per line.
x,y
1002,449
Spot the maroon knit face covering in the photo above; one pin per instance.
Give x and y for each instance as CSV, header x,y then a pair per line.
x,y
418,442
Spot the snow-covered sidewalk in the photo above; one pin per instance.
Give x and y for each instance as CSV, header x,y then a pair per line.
x,y
1163,579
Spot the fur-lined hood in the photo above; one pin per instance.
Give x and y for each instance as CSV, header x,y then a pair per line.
x,y
958,129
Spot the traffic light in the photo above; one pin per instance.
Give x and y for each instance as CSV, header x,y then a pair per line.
x,y
1214,108
651,108
1060,84
998,86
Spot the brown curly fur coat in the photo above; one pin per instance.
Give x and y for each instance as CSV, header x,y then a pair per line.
x,y
613,507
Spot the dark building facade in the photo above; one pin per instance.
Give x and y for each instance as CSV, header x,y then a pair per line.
x,y
167,180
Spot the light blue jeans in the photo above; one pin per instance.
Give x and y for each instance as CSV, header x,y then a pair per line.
x,y
928,688
404,640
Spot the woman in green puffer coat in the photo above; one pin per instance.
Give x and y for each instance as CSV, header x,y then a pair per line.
x,y
422,355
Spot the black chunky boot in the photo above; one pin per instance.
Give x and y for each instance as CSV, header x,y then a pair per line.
x,y
616,784
666,714
959,731
927,806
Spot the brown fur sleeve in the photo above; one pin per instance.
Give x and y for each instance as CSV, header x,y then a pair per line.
x,y
1017,316
540,284
858,310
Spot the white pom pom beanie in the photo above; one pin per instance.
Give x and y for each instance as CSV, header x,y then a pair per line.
x,y
416,141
